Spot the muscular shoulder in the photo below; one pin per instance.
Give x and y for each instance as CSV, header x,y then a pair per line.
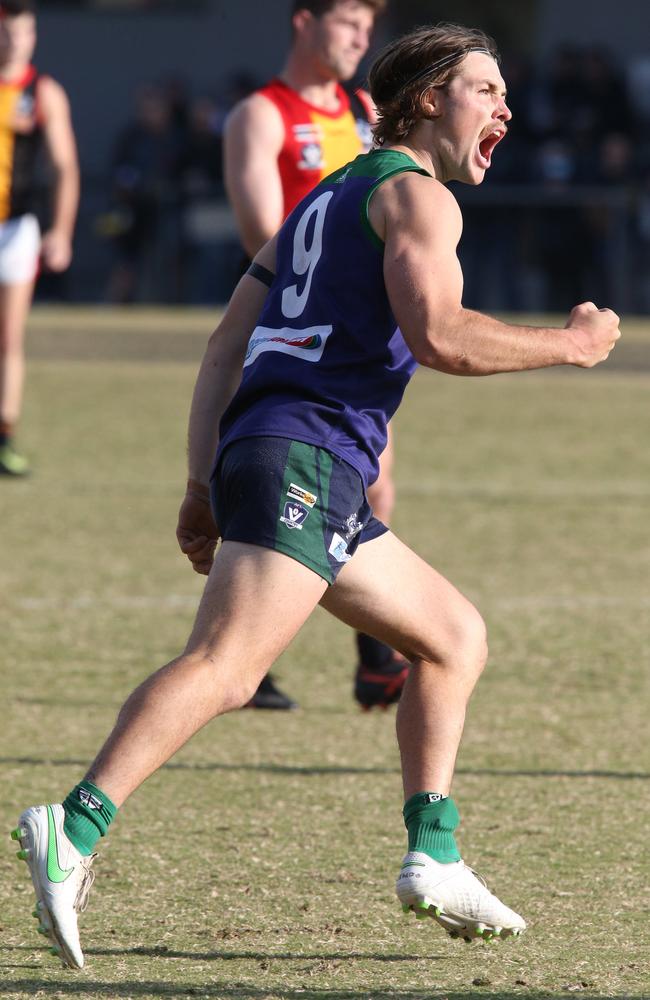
x,y
255,117
414,195
410,204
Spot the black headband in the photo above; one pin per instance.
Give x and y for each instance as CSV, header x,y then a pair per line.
x,y
441,64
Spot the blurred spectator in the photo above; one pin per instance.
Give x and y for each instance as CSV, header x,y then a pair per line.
x,y
200,167
208,268
607,104
178,99
144,219
564,248
615,160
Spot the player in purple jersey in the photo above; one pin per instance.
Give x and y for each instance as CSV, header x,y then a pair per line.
x,y
278,144
295,527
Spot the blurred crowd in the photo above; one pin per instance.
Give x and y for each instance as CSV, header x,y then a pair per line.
x,y
564,215
166,211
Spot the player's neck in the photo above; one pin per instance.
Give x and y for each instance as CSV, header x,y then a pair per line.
x,y
310,82
13,70
419,154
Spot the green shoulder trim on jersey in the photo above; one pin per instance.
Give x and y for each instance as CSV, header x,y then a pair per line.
x,y
383,163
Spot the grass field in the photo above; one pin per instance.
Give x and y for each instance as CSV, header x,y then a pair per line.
x,y
260,863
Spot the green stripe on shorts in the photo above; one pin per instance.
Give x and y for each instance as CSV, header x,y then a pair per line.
x,y
307,475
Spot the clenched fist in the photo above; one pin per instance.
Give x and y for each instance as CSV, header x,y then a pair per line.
x,y
594,332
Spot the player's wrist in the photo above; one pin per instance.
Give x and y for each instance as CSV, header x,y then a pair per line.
x,y
200,491
59,233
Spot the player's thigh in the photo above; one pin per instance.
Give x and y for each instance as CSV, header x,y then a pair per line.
x,y
254,602
388,591
15,301
19,251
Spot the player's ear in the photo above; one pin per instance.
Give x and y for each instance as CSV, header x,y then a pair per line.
x,y
301,19
431,102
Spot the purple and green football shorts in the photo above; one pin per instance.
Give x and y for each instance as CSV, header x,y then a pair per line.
x,y
295,498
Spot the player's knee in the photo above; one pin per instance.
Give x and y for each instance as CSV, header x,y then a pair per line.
x,y
466,646
475,641
225,682
233,687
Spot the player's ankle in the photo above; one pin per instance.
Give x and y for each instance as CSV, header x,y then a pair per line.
x,y
88,814
431,820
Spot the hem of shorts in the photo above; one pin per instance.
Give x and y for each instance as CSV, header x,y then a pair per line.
x,y
376,534
329,580
303,439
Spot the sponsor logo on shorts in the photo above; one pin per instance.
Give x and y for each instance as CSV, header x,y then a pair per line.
x,y
294,515
302,495
339,549
307,344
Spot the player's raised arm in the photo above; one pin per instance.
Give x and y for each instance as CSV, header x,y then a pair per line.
x,y
253,138
420,223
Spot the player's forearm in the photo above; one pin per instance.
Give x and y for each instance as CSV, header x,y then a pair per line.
x,y
470,343
217,383
221,371
65,200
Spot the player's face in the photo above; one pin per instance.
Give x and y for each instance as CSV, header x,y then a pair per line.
x,y
472,119
340,38
17,39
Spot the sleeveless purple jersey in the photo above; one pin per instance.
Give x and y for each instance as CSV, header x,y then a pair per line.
x,y
326,364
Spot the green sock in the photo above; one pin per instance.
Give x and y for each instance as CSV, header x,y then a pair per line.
x,y
88,815
431,820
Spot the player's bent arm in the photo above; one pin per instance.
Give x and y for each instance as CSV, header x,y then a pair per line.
x,y
253,139
62,151
221,369
420,223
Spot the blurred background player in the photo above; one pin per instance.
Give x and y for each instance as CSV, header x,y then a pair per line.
x,y
278,144
34,112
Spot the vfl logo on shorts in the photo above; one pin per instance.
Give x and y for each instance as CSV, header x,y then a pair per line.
x,y
307,344
294,515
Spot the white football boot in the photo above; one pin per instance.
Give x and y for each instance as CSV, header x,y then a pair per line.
x,y
454,896
62,878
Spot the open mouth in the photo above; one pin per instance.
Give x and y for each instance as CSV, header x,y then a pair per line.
x,y
487,144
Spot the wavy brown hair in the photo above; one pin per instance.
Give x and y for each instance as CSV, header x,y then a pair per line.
x,y
398,78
